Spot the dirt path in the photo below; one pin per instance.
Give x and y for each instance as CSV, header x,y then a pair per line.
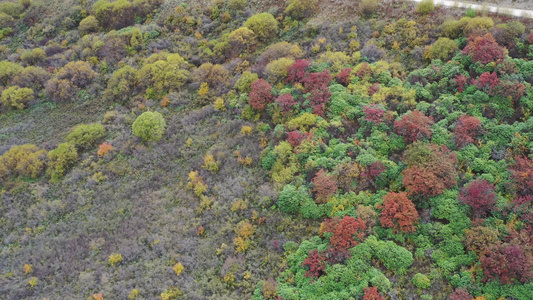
x,y
490,8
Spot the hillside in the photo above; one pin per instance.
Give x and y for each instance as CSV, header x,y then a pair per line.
x,y
253,149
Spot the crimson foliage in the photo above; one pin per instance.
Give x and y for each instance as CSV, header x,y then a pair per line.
x,y
374,114
414,126
506,263
261,95
484,49
466,130
286,102
344,76
295,138
297,72
460,82
461,294
316,263
480,195
318,85
487,82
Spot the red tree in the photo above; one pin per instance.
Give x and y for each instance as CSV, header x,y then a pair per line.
x,y
371,293
295,138
371,172
431,169
318,85
374,114
374,88
484,49
506,263
297,72
316,262
286,102
522,175
260,95
398,212
480,195
487,82
515,90
325,186
461,294
344,76
466,130
348,233
460,82
414,126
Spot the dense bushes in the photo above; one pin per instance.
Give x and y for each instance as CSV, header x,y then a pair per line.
x,y
300,9
88,25
149,126
442,49
61,159
403,148
164,72
86,136
25,160
263,25
17,97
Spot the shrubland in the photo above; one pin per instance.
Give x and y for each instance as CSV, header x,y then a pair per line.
x,y
264,150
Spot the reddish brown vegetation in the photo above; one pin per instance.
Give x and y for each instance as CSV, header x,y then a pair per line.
x,y
325,186
466,130
414,126
480,195
398,212
260,95
484,49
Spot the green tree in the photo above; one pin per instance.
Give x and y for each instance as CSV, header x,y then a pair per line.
x,y
60,160
149,126
425,7
89,25
85,136
8,70
17,97
121,84
244,82
300,9
168,72
442,49
263,25
23,160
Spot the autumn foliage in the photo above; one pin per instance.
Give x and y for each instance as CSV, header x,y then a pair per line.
x,y
298,71
466,130
315,263
460,294
347,232
318,85
398,212
522,175
414,126
480,195
506,263
431,170
260,95
286,102
484,49
374,114
325,186
371,293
